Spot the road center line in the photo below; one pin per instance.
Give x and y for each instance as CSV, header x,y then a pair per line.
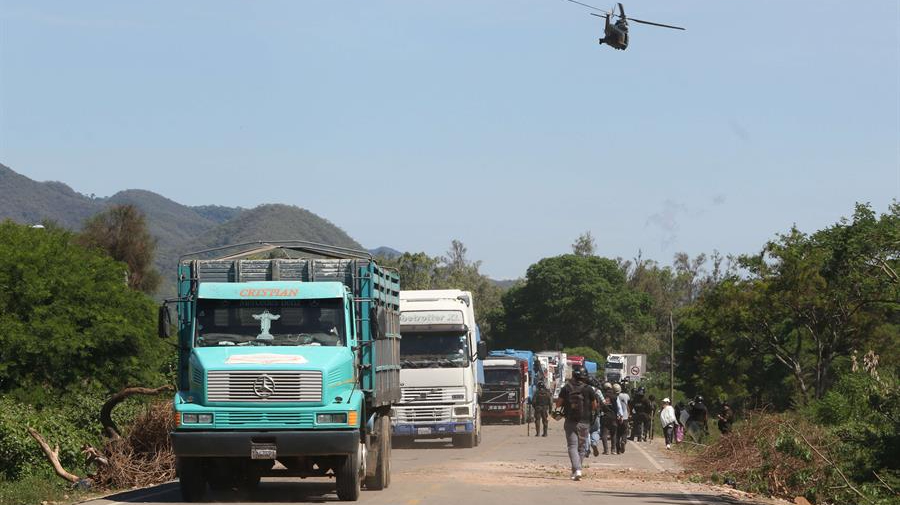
x,y
691,498
649,457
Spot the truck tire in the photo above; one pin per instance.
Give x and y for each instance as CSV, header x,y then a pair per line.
x,y
191,479
466,441
381,479
347,478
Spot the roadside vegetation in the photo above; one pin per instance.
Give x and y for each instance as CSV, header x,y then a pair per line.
x,y
75,326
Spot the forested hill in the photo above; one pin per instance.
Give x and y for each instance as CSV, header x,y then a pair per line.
x,y
178,228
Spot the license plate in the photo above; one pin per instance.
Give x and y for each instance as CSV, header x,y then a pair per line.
x,y
423,431
262,451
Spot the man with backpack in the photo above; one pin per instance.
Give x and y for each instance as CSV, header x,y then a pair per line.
x,y
579,402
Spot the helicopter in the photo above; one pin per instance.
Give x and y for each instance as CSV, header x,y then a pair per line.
x,y
615,33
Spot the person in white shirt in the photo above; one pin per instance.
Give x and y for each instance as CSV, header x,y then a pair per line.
x,y
668,421
623,400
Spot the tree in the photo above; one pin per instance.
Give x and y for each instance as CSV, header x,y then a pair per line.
x,y
453,271
589,354
805,303
573,300
66,318
121,231
584,245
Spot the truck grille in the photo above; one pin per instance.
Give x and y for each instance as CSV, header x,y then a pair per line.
x,y
264,386
263,420
434,414
414,396
500,396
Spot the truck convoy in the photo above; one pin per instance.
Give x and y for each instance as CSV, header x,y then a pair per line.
x,y
505,389
291,360
621,366
441,374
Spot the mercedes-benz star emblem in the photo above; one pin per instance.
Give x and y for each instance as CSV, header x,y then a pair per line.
x,y
264,386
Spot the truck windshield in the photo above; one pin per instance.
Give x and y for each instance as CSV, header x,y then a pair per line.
x,y
433,350
269,322
501,375
615,366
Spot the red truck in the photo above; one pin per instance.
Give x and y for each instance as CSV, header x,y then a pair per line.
x,y
505,390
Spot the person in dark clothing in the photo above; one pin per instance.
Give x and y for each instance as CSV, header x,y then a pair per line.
x,y
641,409
543,399
608,421
726,417
579,402
698,420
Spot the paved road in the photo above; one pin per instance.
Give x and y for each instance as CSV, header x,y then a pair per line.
x,y
508,468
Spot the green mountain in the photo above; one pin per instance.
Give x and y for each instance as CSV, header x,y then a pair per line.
x,y
178,228
273,222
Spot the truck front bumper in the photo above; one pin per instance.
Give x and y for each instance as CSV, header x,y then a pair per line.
x,y
494,414
287,443
433,430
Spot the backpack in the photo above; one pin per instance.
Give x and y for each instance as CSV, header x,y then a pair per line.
x,y
575,407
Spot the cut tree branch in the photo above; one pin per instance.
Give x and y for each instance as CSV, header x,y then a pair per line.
x,y
109,426
53,456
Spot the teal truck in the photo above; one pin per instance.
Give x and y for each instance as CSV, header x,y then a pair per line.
x,y
293,360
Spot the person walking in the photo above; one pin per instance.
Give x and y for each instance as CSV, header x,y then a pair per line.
x,y
608,419
623,401
698,420
668,421
726,417
642,411
578,401
543,399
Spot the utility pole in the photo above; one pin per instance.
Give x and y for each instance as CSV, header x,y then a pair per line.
x,y
671,357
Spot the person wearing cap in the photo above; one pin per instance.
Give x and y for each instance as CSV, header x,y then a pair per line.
x,y
667,420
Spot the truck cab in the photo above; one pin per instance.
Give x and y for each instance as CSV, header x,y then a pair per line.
x,y
441,373
615,368
506,385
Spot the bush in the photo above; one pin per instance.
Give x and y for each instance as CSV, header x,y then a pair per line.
x,y
71,422
862,412
67,319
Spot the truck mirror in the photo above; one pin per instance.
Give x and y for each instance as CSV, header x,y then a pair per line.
x,y
482,350
164,322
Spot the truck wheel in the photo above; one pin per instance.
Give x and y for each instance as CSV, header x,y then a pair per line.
x,y
381,478
346,476
466,441
191,479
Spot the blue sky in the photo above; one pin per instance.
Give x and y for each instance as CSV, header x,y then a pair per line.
x,y
502,124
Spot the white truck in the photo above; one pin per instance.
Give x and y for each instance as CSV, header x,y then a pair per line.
x,y
441,373
620,366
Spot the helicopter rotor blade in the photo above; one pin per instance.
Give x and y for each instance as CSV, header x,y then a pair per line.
x,y
599,15
622,11
586,5
655,24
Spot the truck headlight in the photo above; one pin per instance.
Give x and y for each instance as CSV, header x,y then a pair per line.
x,y
460,411
339,418
196,418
